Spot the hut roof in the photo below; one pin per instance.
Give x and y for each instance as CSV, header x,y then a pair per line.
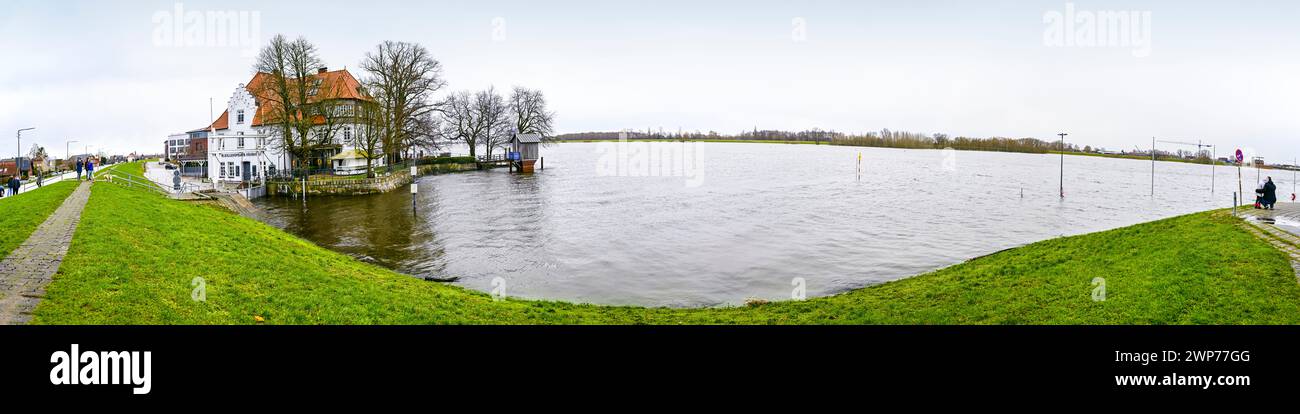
x,y
528,138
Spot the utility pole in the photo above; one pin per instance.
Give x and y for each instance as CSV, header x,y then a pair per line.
x,y
1153,167
1062,163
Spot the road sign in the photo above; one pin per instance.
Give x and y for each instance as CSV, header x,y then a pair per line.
x,y
1240,156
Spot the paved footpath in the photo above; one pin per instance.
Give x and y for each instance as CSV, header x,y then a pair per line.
x,y
1286,216
1279,227
24,274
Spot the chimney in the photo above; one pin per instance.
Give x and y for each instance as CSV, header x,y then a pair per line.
x,y
322,69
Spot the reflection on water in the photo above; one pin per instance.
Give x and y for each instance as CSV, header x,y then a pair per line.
x,y
763,215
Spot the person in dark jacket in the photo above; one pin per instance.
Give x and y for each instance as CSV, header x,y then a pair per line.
x,y
1270,194
14,185
80,165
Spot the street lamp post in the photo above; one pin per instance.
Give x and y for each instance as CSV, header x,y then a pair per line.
x,y
1062,163
67,151
18,159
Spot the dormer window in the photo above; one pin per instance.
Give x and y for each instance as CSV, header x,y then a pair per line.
x,y
239,117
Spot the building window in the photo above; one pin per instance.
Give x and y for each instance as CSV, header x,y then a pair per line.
x,y
347,134
240,144
239,117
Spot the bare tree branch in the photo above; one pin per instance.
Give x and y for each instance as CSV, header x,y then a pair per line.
x,y
403,77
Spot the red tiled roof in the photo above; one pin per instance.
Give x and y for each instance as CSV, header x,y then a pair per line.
x,y
339,84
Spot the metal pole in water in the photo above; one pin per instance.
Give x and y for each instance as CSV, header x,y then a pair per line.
x,y
859,165
1214,167
1062,163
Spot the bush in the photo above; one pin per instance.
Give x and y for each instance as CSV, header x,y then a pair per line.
x,y
449,160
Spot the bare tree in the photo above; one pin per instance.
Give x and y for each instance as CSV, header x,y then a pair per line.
x,y
369,134
289,68
403,79
460,120
425,135
494,119
36,156
528,107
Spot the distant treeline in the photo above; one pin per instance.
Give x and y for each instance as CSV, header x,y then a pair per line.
x,y
885,138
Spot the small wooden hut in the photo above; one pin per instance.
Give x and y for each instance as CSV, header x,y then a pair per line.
x,y
524,151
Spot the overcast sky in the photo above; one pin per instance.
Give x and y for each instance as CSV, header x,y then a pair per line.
x,y
105,74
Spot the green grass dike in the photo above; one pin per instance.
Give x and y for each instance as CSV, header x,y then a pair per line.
x,y
135,257
22,214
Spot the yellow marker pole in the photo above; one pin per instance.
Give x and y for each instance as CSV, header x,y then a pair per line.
x,y
859,165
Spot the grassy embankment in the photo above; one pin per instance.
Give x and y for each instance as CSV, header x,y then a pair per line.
x,y
135,168
22,214
135,254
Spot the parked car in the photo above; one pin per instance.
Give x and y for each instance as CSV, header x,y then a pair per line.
x,y
169,166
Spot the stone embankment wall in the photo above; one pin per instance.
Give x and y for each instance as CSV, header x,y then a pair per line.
x,y
354,186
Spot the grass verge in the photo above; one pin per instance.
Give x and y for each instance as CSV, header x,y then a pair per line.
x,y
22,214
135,258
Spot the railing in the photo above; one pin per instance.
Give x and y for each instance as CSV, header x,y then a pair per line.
x,y
493,158
132,181
32,183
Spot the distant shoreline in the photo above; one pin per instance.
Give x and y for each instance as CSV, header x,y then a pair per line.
x,y
792,142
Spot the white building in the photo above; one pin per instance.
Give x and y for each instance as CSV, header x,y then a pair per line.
x,y
175,145
242,145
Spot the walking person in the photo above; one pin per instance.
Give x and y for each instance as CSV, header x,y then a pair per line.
x,y
14,185
80,165
90,169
